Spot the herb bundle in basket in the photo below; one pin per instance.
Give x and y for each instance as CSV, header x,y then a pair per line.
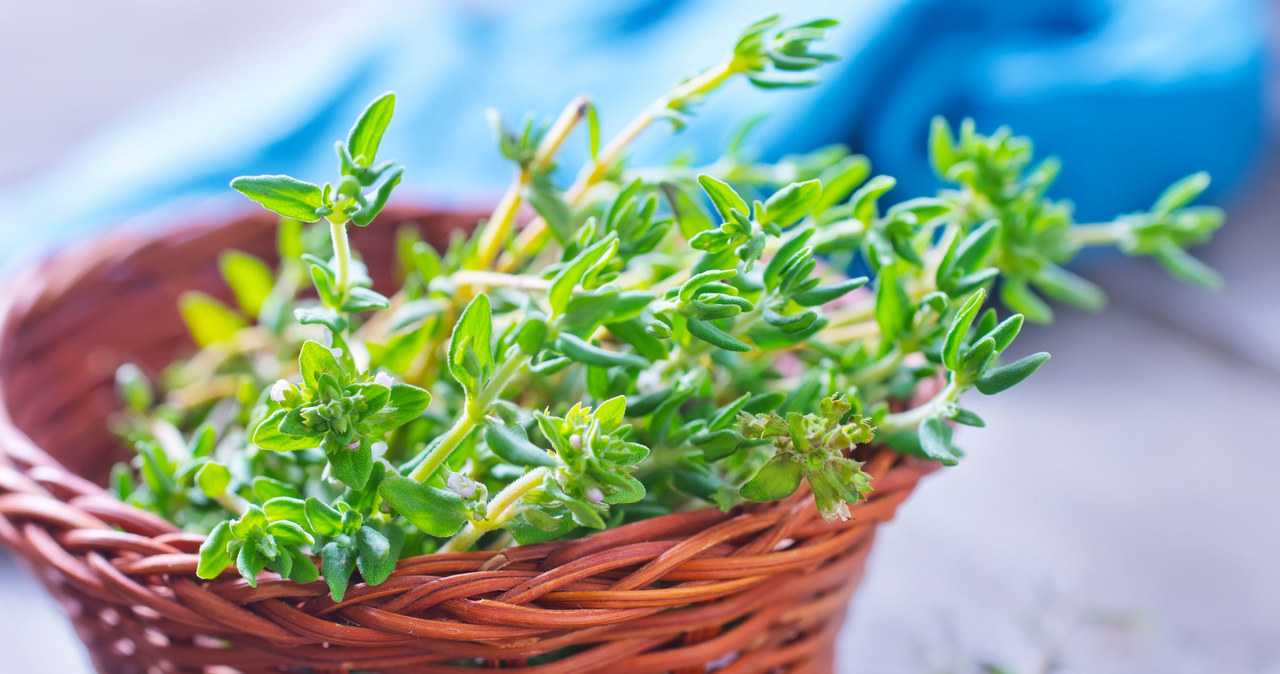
x,y
658,340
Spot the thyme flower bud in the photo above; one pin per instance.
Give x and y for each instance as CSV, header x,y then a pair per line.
x,y
461,485
279,389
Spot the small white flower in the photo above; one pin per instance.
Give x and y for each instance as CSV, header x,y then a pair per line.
x,y
595,495
575,441
337,353
461,485
383,379
279,389
841,511
379,448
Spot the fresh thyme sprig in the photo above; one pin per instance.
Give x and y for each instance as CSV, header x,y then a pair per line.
x,y
658,338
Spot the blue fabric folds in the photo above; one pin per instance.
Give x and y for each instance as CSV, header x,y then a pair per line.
x,y
1132,94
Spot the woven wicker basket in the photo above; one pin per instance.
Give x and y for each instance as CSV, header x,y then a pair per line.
x,y
760,589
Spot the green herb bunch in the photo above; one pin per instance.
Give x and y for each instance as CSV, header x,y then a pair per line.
x,y
657,339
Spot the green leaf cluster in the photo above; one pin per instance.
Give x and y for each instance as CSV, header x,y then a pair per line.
x,y
810,447
359,194
1010,227
334,411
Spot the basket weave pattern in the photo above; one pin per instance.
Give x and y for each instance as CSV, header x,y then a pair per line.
x,y
760,589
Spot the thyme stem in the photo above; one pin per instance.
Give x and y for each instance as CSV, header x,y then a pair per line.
x,y
471,417
481,277
232,502
909,419
533,237
341,254
498,229
1098,234
502,507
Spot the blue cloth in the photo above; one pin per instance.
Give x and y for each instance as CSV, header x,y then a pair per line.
x,y
1132,94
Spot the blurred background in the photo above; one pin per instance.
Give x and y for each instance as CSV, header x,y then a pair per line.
x,y
1117,515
